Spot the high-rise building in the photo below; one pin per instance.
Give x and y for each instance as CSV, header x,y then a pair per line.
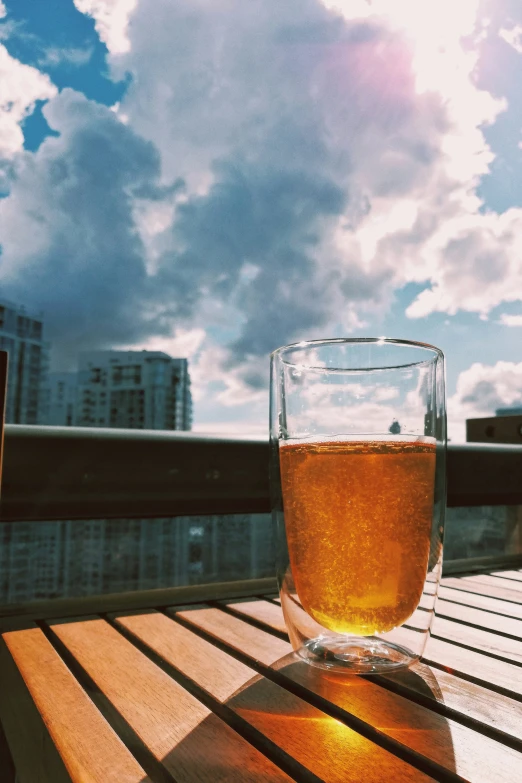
x,y
58,399
133,390
21,335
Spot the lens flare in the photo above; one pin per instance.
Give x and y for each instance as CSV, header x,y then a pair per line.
x,y
436,30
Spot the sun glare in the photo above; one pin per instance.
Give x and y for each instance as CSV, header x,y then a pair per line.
x,y
435,29
443,36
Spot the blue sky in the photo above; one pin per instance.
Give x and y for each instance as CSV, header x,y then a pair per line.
x,y
217,179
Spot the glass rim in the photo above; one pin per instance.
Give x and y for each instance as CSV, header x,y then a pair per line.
x,y
436,353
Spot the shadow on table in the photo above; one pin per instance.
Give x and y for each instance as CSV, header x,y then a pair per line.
x,y
322,744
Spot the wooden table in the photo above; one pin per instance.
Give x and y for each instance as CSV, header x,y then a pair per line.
x,y
213,693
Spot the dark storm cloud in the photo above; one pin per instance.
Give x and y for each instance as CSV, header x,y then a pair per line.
x,y
69,241
266,220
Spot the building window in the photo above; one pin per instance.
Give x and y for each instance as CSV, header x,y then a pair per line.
x,y
22,326
128,374
36,330
195,552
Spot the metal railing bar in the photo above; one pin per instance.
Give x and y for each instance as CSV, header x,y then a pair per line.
x,y
66,473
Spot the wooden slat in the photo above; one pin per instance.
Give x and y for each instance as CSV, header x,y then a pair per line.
x,y
476,666
176,727
496,605
479,639
516,575
89,749
320,743
25,728
487,620
495,581
262,611
491,591
473,701
455,747
494,711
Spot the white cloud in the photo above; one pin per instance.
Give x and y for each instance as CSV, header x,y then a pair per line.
x,y
229,387
510,320
476,265
482,389
20,87
3,10
111,20
441,234
76,56
184,343
513,36
224,402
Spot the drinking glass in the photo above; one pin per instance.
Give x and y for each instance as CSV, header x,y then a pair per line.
x,y
358,446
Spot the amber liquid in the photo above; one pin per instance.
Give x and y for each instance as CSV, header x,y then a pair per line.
x,y
358,518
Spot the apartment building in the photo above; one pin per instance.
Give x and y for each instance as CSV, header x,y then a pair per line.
x,y
21,335
133,390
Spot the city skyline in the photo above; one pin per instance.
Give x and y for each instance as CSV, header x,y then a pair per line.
x,y
213,180
73,558
55,398
123,389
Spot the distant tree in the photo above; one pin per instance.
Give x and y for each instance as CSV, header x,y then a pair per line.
x,y
395,428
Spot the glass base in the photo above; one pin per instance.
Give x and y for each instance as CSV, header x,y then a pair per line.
x,y
356,655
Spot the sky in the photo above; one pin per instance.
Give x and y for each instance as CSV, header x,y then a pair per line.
x,y
215,179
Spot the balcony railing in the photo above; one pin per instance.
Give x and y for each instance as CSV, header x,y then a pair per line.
x,y
68,474
79,473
